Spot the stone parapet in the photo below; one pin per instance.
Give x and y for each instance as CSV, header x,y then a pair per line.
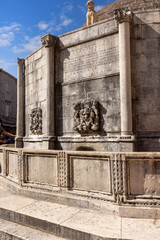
x,y
123,178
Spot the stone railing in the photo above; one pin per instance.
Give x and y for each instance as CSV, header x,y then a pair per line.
x,y
131,178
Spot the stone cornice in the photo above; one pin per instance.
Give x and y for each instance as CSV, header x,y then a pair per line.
x,y
49,40
123,15
20,61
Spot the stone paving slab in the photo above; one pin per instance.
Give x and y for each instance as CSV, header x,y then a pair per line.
x,y
14,202
52,212
78,223
140,229
4,192
97,223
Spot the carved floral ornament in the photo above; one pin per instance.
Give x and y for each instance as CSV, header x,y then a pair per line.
x,y
49,40
36,121
123,15
86,116
20,61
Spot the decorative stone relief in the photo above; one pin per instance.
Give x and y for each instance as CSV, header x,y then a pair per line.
x,y
119,177
49,40
20,166
92,16
86,116
63,182
123,15
20,62
36,121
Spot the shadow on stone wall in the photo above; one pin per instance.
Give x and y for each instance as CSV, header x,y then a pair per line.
x,y
145,65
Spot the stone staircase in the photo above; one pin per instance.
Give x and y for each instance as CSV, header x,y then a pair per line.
x,y
34,219
13,231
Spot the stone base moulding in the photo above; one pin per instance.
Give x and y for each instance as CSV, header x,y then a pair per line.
x,y
39,142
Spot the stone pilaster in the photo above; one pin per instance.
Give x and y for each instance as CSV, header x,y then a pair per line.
x,y
49,42
123,17
20,103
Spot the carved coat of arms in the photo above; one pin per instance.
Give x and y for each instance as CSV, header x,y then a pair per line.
x,y
36,121
86,116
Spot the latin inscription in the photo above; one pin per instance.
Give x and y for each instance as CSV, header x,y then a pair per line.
x,y
96,58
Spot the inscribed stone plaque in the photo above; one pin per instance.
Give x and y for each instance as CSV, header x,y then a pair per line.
x,y
96,58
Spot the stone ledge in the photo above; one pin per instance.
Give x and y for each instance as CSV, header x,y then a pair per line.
x,y
114,138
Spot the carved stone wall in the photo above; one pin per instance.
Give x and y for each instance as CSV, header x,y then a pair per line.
x,y
86,66
36,121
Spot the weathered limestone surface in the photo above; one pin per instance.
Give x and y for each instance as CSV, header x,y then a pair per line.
x,y
145,37
120,191
123,178
37,169
19,216
35,72
116,65
10,230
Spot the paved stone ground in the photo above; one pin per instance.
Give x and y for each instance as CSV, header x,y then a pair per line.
x,y
59,218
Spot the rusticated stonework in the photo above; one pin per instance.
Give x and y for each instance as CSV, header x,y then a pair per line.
x,y
86,116
36,121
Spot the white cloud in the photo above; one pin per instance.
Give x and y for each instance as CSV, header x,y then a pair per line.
x,y
65,22
7,34
83,9
67,8
43,25
5,65
30,45
13,26
97,8
47,26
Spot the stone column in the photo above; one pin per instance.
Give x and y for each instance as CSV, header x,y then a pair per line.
x,y
49,42
20,103
123,17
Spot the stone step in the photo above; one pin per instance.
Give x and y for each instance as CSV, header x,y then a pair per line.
x,y
73,222
14,231
60,220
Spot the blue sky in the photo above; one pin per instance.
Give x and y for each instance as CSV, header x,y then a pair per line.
x,y
23,23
